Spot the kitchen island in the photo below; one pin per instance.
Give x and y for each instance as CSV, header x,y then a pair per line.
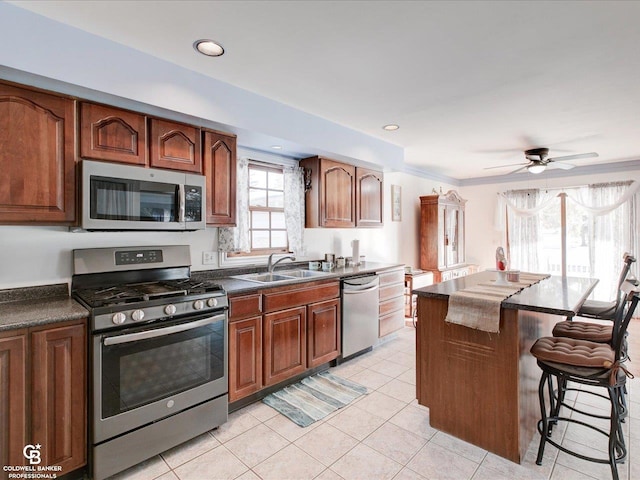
x,y
482,387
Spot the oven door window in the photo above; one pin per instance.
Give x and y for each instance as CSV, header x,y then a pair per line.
x,y
139,372
133,200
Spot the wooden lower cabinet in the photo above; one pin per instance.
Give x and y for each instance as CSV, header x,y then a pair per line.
x,y
53,412
278,333
391,311
285,344
323,332
58,395
13,398
245,362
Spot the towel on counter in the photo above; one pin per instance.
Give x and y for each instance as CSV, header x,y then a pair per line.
x,y
478,306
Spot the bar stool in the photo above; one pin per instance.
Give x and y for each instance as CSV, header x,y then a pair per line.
x,y
595,332
586,363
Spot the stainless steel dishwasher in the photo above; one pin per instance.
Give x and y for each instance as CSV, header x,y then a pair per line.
x,y
359,313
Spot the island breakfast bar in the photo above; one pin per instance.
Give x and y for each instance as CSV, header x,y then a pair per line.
x,y
482,387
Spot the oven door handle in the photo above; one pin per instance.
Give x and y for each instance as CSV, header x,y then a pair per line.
x,y
161,332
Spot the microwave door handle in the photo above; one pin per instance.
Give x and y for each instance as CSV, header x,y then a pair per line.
x,y
181,202
161,332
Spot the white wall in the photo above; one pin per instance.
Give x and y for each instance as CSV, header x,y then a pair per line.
x,y
482,238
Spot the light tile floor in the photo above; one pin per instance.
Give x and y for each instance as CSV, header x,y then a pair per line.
x,y
383,435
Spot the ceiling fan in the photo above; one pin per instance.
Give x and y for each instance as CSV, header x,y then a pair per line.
x,y
539,161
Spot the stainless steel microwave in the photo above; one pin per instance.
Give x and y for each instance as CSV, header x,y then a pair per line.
x,y
126,197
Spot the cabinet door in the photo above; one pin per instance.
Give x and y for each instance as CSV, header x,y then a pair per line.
x,y
174,145
220,170
323,332
109,133
369,197
13,398
337,194
285,344
245,357
37,157
59,395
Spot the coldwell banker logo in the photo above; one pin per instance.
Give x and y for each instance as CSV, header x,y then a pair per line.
x,y
34,469
32,453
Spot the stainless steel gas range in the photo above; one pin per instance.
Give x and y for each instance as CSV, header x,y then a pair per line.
x,y
158,352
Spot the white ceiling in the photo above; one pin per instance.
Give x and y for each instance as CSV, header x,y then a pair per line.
x,y
471,84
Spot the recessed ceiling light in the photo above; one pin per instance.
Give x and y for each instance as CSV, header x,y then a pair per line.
x,y
276,147
391,127
208,47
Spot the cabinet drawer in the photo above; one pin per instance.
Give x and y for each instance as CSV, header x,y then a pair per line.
x,y
288,297
244,306
391,305
391,322
391,277
391,291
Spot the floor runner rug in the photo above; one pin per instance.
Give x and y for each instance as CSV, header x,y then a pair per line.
x,y
314,397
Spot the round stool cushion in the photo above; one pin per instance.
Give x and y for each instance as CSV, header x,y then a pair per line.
x,y
570,351
584,331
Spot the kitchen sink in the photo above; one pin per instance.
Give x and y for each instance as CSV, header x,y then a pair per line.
x,y
280,276
264,277
300,273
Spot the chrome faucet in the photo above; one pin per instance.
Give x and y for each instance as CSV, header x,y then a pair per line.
x,y
271,265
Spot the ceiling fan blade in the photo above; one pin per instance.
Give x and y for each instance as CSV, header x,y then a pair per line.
x,y
574,157
559,166
509,165
518,169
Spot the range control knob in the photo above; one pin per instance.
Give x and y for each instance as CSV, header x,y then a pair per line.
x,y
170,309
137,315
119,318
198,304
212,302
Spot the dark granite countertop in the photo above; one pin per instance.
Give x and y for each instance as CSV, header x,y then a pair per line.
x,y
555,295
234,285
32,306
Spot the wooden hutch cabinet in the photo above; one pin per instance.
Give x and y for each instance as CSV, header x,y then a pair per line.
x,y
442,247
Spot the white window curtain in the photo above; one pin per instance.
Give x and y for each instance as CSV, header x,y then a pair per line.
x,y
524,227
294,208
613,230
236,239
613,209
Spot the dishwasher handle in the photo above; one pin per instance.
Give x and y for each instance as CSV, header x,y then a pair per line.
x,y
360,284
348,291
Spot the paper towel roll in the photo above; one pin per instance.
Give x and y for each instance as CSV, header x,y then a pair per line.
x,y
355,251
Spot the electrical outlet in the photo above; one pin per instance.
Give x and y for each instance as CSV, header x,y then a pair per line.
x,y
208,258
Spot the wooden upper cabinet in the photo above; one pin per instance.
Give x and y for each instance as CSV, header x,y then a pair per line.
x,y
219,162
113,134
330,200
369,197
37,157
174,145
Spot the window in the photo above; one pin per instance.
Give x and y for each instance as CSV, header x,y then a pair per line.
x,y
580,232
267,229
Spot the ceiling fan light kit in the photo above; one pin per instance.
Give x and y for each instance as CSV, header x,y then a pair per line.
x,y
536,168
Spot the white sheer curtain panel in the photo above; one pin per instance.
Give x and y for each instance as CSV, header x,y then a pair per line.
x,y
523,227
612,230
294,208
236,239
